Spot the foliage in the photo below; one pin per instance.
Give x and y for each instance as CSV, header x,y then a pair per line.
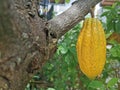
x,y
62,71
57,1
112,17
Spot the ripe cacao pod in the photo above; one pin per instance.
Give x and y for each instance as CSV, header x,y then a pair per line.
x,y
91,48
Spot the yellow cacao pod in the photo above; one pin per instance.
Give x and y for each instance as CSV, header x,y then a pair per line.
x,y
91,48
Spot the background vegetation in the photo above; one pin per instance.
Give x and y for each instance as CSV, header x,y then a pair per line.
x,y
62,71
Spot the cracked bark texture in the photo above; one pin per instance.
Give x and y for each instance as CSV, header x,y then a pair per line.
x,y
27,41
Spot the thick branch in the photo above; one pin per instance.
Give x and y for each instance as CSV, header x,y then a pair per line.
x,y
65,21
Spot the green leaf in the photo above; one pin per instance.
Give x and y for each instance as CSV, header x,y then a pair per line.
x,y
114,5
72,50
117,26
85,80
108,34
110,24
112,88
67,59
56,1
96,84
108,7
115,51
62,49
105,13
50,89
67,1
112,82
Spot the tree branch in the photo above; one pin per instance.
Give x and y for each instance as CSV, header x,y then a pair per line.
x,y
65,21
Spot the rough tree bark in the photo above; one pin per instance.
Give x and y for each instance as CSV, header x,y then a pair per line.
x,y
27,41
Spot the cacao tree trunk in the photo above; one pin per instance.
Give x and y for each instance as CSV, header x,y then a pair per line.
x,y
26,41
22,43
